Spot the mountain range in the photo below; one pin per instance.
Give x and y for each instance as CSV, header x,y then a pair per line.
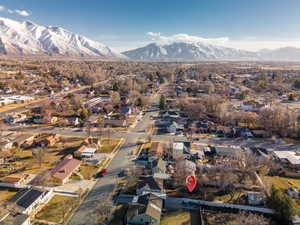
x,y
199,51
28,38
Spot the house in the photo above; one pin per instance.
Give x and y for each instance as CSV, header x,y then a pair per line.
x,y
15,219
15,118
255,198
49,140
24,140
88,148
15,179
223,130
292,192
288,158
47,119
126,110
261,134
172,128
296,220
30,200
144,210
148,184
96,142
85,152
156,149
178,148
74,121
61,173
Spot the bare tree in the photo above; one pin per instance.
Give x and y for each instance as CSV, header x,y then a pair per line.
x,y
39,154
249,219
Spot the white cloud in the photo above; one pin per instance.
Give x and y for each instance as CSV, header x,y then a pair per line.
x,y
22,12
250,43
158,37
16,11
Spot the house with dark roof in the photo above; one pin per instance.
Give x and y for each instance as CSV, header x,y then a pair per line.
x,y
49,140
144,210
30,200
149,184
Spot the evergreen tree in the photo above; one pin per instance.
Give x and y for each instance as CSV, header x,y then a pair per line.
x,y
284,205
162,102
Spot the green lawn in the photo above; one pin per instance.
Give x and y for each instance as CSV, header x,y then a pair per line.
x,y
57,208
176,218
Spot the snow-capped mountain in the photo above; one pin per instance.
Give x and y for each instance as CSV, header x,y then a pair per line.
x,y
177,51
26,38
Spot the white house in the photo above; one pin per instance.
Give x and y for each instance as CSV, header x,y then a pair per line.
x,y
178,148
30,200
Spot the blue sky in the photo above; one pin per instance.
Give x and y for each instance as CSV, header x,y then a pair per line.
x,y
124,24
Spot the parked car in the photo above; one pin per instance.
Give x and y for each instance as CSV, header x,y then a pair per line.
x,y
101,173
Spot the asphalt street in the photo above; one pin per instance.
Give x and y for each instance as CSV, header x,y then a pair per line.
x,y
86,214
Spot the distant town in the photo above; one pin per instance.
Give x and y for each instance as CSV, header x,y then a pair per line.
x,y
91,142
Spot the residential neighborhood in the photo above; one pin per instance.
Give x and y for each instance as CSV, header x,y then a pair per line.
x,y
119,150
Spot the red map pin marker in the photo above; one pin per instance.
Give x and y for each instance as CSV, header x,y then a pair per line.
x,y
191,183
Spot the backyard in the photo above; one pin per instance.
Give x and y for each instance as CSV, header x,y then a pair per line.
x,y
58,209
45,159
176,218
108,145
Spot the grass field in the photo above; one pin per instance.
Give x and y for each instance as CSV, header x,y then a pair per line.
x,y
6,194
52,154
108,145
57,208
228,198
176,218
282,182
87,171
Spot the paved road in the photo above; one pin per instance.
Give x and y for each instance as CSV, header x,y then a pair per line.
x,y
86,213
